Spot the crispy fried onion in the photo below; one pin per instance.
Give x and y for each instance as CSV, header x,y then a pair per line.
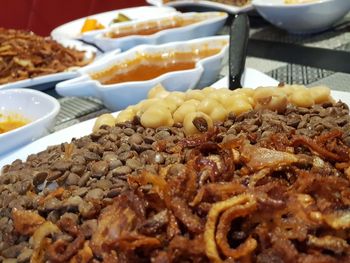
x,y
26,222
56,193
232,208
62,250
198,139
181,245
210,164
219,191
40,240
258,158
84,255
339,154
338,219
335,244
118,224
257,176
328,136
177,205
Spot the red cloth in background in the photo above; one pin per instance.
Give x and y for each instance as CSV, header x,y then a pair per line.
x,y
41,16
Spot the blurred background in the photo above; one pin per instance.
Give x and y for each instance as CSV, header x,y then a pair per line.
x,y
41,16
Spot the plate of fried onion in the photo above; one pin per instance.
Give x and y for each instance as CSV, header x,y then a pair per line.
x,y
29,60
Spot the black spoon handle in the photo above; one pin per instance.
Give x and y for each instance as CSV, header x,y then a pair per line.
x,y
239,33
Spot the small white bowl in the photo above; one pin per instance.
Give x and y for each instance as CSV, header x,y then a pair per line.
x,y
39,108
303,18
120,95
212,22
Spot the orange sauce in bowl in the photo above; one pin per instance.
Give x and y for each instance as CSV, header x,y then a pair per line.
x,y
149,66
11,122
149,71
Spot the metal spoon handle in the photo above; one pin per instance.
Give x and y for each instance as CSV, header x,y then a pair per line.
x,y
239,33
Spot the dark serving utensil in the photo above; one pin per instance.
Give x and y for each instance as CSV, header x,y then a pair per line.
x,y
239,33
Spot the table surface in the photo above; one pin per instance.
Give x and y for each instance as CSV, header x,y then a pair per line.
x,y
322,58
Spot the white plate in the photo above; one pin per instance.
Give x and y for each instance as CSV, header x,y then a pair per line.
x,y
48,81
202,3
252,77
72,29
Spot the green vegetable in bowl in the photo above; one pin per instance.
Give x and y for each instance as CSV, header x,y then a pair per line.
x,y
120,18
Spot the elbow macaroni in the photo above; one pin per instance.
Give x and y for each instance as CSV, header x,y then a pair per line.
x,y
188,125
156,116
164,108
104,119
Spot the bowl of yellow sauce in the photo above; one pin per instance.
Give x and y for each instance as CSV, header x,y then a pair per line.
x,y
25,115
9,122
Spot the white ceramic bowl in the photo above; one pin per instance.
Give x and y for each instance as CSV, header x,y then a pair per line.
x,y
40,108
208,4
71,30
304,18
119,96
209,26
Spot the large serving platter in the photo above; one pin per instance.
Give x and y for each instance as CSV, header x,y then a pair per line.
x,y
252,78
202,3
71,30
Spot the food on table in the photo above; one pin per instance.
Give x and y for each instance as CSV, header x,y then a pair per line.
x,y
156,25
166,108
146,66
25,55
91,24
233,2
9,122
104,119
121,18
226,2
263,185
299,1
